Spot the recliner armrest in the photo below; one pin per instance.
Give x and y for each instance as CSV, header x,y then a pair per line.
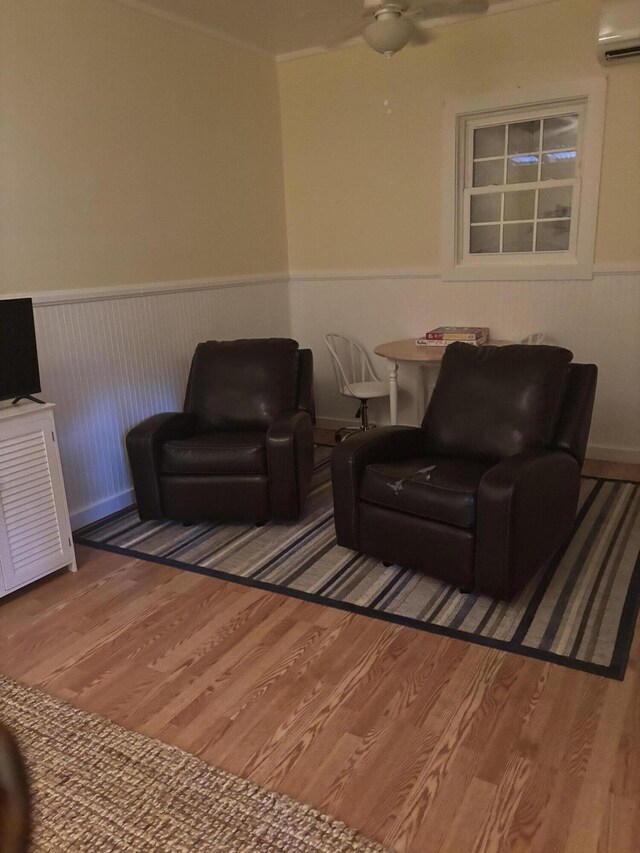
x,y
144,444
306,400
351,457
526,508
289,462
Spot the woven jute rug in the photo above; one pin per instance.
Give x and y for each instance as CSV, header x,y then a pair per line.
x,y
97,787
580,611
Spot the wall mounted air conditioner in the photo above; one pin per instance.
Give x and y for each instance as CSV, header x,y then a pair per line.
x,y
619,36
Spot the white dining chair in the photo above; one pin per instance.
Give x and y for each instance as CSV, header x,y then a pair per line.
x,y
539,338
355,374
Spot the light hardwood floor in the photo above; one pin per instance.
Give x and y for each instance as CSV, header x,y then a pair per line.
x,y
420,741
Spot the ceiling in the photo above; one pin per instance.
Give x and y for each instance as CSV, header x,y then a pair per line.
x,y
281,29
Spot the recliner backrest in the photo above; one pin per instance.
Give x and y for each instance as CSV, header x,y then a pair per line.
x,y
243,384
493,402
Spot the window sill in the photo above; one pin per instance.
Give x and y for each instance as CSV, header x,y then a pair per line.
x,y
524,271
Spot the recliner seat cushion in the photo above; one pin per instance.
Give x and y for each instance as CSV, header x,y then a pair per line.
x,y
216,453
493,402
242,384
434,487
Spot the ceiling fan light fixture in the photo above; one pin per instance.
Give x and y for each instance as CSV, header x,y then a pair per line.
x,y
388,34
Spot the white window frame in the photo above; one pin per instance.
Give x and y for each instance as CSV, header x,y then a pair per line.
x,y
585,97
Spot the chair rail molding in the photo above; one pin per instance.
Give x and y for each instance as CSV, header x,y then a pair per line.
x,y
127,291
600,270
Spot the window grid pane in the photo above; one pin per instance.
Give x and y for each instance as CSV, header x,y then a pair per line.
x,y
560,132
536,151
489,141
524,137
506,235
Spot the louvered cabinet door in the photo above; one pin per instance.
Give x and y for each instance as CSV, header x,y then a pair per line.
x,y
35,535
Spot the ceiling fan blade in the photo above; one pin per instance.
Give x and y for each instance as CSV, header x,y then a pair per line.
x,y
419,36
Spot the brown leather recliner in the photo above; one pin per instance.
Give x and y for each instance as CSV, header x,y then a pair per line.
x,y
15,806
242,449
485,492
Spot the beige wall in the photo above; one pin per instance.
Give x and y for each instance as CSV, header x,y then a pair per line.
x,y
363,188
135,150
132,150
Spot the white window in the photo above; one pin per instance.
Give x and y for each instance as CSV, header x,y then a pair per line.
x,y
521,190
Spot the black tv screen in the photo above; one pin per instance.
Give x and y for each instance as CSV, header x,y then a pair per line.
x,y
19,374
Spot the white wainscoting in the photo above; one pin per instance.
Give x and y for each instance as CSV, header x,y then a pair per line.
x,y
598,320
110,359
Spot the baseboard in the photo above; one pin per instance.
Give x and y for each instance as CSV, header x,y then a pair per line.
x,y
614,454
594,451
343,423
89,514
335,423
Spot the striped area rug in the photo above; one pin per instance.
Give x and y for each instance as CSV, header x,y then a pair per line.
x,y
579,612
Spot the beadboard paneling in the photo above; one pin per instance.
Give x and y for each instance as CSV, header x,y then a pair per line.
x,y
110,363
598,320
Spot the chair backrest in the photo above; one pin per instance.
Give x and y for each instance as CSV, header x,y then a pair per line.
x,y
350,361
493,402
538,338
244,384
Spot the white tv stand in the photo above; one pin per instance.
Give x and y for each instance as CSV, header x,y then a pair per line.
x,y
35,533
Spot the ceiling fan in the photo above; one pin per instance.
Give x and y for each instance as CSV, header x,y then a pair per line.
x,y
392,24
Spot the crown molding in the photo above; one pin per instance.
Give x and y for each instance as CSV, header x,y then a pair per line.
x,y
214,32
314,51
182,21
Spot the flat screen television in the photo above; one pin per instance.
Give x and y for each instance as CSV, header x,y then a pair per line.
x,y
19,373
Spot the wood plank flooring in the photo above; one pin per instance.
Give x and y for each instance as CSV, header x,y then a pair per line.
x,y
422,742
